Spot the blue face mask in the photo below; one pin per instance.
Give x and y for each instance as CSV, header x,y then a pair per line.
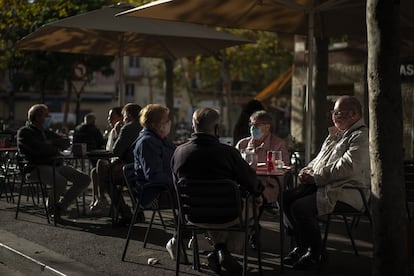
x,y
46,123
256,132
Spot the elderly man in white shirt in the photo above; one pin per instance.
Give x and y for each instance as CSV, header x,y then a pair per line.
x,y
342,161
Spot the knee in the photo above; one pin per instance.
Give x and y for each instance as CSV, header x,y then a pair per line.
x,y
85,180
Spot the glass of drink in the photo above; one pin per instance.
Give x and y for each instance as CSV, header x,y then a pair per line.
x,y
278,159
270,160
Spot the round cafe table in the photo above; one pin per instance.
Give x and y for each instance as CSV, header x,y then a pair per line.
x,y
280,176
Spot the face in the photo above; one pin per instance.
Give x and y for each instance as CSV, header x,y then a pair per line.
x,y
259,129
125,116
42,116
113,118
342,117
164,127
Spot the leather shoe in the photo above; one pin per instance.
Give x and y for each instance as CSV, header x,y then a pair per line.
x,y
293,256
213,262
228,263
308,261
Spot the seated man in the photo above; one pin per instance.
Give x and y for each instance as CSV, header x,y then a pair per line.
x,y
343,160
123,152
88,133
100,173
40,146
204,157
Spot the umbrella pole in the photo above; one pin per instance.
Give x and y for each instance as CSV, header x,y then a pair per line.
x,y
309,88
121,84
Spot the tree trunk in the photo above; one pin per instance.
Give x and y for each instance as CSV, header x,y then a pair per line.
x,y
169,91
320,93
388,192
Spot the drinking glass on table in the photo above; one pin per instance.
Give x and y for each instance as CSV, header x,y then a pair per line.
x,y
250,156
278,159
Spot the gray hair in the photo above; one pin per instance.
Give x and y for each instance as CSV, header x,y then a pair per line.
x,y
205,119
35,111
261,116
89,119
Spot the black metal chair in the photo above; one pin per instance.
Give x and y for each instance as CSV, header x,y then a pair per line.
x,y
349,215
205,203
32,185
129,175
409,184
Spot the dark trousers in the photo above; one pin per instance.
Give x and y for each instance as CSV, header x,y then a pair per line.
x,y
301,210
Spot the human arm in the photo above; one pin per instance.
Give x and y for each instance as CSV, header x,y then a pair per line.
x,y
154,156
33,144
246,176
348,161
127,136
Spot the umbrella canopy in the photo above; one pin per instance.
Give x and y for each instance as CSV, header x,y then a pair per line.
x,y
324,18
286,16
99,32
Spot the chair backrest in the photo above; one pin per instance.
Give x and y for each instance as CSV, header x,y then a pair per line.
x,y
409,179
209,201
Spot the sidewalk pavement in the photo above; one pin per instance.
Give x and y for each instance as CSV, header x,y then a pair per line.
x,y
92,246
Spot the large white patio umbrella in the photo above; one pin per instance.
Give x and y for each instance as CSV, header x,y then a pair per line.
x,y
99,32
323,18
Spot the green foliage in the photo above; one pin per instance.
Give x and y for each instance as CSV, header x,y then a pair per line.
x,y
255,64
47,70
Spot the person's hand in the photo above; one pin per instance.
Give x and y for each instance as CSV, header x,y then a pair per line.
x,y
258,200
118,126
306,176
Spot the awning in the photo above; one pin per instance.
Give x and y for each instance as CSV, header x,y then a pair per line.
x,y
276,86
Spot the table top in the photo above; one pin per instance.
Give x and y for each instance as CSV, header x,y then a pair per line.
x,y
262,170
3,149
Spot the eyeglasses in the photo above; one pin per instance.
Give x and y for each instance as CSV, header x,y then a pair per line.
x,y
256,124
340,112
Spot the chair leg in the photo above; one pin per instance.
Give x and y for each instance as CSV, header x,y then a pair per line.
x,y
18,199
149,227
161,219
196,257
325,237
259,248
348,229
177,251
131,226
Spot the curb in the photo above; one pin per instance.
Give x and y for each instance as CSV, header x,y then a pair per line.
x,y
32,259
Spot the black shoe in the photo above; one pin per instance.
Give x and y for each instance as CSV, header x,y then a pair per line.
x,y
213,262
252,241
293,256
228,263
308,261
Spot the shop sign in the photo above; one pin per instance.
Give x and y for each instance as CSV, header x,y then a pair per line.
x,y
407,71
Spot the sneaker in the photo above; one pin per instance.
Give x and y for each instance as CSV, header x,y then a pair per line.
x,y
171,247
213,262
100,207
229,263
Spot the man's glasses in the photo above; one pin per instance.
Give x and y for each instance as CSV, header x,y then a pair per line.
x,y
256,124
340,112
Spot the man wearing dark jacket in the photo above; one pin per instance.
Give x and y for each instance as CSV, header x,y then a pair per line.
x,y
40,147
204,157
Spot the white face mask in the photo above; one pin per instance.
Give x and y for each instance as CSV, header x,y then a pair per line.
x,y
166,128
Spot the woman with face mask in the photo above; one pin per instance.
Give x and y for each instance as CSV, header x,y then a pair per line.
x,y
153,151
260,141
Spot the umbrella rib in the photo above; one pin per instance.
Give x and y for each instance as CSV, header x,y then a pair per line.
x,y
337,4
289,4
257,2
